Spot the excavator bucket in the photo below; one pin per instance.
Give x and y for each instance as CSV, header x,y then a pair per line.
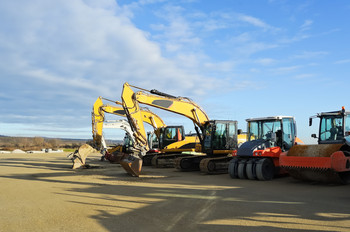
x,y
322,162
79,156
115,157
132,165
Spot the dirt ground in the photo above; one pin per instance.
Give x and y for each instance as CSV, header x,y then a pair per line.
x,y
39,192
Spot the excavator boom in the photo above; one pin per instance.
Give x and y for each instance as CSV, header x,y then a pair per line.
x,y
178,105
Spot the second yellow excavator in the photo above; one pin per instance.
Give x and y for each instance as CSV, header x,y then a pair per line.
x,y
113,154
218,138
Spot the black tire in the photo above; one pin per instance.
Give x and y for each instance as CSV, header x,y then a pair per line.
x,y
250,170
241,170
265,169
232,168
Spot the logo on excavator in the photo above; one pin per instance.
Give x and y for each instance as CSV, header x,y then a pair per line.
x,y
120,112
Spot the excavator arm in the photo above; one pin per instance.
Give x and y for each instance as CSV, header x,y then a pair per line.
x,y
98,117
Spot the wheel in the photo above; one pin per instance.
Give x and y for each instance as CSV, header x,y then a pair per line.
x,y
250,169
241,170
232,168
265,169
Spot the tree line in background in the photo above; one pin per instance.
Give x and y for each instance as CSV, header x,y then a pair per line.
x,y
37,143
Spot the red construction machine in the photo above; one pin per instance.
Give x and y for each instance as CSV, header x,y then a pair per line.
x,y
327,161
258,158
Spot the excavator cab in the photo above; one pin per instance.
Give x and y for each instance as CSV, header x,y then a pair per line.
x,y
170,134
219,136
153,140
128,144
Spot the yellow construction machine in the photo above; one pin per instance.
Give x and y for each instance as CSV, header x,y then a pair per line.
x,y
327,161
218,138
113,154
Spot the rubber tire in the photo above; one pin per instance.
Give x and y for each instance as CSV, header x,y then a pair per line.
x,y
232,168
265,169
241,170
250,169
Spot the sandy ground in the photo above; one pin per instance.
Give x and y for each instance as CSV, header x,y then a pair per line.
x,y
39,192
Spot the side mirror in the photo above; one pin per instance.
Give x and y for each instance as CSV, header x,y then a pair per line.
x,y
310,121
239,131
347,133
314,136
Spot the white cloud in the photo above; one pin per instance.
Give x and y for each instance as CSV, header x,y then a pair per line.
x,y
306,26
346,61
266,61
310,55
286,69
303,76
254,21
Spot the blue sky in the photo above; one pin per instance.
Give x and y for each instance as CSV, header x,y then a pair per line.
x,y
237,59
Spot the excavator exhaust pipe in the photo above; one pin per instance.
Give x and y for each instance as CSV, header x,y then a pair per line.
x,y
79,156
132,165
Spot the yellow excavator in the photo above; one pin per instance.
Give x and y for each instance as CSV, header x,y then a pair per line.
x,y
158,140
327,161
147,116
98,122
217,138
178,144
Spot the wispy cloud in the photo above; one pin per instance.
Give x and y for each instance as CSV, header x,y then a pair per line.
x,y
265,61
286,69
346,61
254,21
310,55
303,76
306,26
